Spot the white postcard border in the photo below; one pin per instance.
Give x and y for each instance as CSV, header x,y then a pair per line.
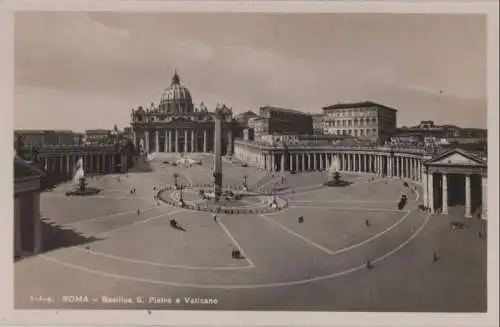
x,y
141,317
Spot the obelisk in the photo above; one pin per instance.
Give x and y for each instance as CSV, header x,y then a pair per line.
x,y
218,154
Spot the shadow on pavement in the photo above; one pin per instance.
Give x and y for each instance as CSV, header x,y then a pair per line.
x,y
56,237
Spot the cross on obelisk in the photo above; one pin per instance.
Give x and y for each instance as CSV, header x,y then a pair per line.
x,y
218,153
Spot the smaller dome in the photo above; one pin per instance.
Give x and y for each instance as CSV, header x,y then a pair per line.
x,y
176,98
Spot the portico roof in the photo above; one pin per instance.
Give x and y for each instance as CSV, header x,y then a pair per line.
x,y
24,170
456,157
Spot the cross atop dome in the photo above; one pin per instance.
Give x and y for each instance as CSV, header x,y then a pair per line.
x,y
175,79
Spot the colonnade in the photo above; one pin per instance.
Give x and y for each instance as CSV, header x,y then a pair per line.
x,y
64,165
402,165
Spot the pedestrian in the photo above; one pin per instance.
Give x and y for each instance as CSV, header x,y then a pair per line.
x,y
138,212
369,265
435,257
301,219
215,217
367,222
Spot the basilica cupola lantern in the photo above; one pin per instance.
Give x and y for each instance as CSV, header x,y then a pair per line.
x,y
176,98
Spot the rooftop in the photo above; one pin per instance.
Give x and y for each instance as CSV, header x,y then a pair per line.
x,y
247,113
42,131
362,104
294,111
24,169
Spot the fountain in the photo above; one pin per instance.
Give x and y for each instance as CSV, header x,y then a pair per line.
x,y
334,174
80,179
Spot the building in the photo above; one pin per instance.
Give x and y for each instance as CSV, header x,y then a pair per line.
x,y
318,124
248,134
244,117
427,128
78,138
274,120
27,223
175,125
46,137
361,119
96,136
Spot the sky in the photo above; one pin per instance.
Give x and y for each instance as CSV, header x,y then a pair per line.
x,y
83,70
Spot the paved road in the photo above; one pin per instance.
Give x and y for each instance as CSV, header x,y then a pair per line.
x,y
107,248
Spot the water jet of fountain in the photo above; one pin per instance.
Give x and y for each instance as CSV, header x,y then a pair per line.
x,y
79,173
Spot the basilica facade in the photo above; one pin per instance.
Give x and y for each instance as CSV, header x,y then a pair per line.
x,y
176,125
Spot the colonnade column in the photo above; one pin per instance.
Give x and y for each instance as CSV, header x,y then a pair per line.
x,y
296,162
146,140
467,197
415,169
165,147
444,186
176,144
192,140
185,140
419,170
430,192
68,167
425,191
484,187
282,162
157,141
290,162
389,166
407,167
104,163
169,145
205,140
303,161
412,169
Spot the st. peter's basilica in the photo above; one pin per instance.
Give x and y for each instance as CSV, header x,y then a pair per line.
x,y
175,125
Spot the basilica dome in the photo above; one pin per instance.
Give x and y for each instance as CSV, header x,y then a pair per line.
x,y
176,98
